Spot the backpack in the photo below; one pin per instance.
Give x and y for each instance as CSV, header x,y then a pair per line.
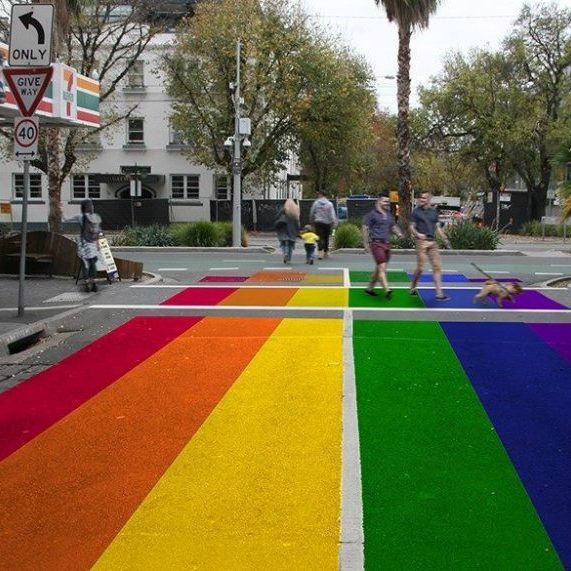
x,y
91,227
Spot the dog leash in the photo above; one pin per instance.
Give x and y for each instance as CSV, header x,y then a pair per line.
x,y
500,285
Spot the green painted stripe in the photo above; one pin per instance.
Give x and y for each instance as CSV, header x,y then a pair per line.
x,y
401,298
439,491
87,100
392,276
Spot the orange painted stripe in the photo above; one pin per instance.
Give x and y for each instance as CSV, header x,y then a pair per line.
x,y
260,296
68,492
88,84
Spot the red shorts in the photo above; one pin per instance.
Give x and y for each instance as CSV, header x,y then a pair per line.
x,y
381,251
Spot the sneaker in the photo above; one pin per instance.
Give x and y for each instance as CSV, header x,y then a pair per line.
x,y
371,292
86,288
413,292
311,262
285,259
94,287
443,297
389,294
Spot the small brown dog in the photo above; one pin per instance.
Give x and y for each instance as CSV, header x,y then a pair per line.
x,y
500,291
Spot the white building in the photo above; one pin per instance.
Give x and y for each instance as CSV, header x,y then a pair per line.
x,y
144,143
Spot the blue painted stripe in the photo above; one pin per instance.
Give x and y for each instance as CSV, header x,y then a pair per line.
x,y
525,387
446,278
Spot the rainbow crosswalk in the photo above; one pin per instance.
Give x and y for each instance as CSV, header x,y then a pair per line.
x,y
217,443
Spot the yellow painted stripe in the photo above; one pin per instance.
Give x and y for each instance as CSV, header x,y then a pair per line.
x,y
322,279
258,487
320,297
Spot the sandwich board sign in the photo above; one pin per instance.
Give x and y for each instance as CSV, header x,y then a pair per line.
x,y
28,86
31,35
106,257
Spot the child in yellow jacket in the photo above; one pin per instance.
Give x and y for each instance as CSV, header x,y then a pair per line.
x,y
310,240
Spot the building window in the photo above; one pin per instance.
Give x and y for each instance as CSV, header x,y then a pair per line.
x,y
84,186
185,186
221,187
136,131
176,137
136,75
35,186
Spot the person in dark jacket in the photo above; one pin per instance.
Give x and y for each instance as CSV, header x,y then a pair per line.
x,y
287,228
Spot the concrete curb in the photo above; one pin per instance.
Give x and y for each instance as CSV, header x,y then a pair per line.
x,y
45,328
181,249
396,251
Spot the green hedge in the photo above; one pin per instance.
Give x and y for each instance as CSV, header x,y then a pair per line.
x,y
468,236
533,228
348,235
155,235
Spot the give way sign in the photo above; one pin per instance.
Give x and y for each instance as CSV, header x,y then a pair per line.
x,y
28,86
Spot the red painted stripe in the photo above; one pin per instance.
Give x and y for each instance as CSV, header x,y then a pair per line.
x,y
89,117
32,407
200,296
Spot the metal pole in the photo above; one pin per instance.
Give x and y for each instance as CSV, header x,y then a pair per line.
x,y
498,209
237,168
24,231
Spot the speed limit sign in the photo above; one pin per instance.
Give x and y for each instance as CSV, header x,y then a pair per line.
x,y
26,133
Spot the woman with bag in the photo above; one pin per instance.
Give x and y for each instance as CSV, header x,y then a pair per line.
x,y
287,228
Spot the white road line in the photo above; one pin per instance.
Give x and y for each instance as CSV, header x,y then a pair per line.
x,y
244,261
292,308
346,278
351,554
548,274
172,269
331,269
286,269
222,269
498,272
289,286
560,266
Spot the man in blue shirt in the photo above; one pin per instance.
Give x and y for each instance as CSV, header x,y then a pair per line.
x,y
377,227
424,227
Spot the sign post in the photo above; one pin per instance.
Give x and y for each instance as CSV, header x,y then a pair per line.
x,y
30,47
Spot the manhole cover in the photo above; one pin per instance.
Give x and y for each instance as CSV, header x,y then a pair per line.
x,y
70,296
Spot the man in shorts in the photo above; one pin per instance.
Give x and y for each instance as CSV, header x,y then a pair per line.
x,y
377,227
424,227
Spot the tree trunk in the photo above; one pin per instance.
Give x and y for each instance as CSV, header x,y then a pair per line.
x,y
403,129
54,179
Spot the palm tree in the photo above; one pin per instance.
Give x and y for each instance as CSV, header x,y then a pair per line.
x,y
408,15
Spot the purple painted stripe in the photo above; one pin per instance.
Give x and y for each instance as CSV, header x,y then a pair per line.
x,y
525,388
558,335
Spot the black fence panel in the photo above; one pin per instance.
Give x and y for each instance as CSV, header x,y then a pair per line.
x,y
117,214
266,212
513,213
356,209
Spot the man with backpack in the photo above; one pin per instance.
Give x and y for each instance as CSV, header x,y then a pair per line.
x,y
322,216
88,246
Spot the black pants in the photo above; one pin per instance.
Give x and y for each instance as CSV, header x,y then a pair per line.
x,y
324,232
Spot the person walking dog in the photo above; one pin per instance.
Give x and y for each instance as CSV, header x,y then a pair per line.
x,y
378,225
424,227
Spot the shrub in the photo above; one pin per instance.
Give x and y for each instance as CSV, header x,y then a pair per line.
x,y
348,235
202,233
468,236
533,228
125,237
154,235
224,230
404,243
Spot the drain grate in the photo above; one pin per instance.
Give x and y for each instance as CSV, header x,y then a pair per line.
x,y
69,296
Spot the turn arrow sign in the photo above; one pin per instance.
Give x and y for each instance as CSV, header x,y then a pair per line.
x,y
29,20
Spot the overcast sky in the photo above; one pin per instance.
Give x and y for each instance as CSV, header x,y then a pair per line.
x,y
457,25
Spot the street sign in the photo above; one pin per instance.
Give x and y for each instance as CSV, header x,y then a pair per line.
x,y
28,86
31,35
135,169
26,133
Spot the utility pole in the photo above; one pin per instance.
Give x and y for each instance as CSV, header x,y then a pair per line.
x,y
237,162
